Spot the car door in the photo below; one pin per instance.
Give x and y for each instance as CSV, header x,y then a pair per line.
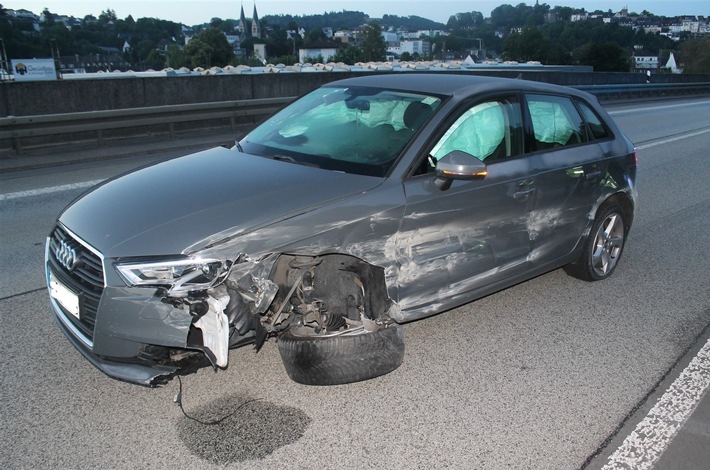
x,y
569,169
473,233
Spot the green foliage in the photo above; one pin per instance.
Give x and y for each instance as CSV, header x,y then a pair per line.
x,y
373,45
532,45
469,20
411,23
519,16
604,57
314,35
694,55
348,55
343,19
208,48
174,57
155,60
560,39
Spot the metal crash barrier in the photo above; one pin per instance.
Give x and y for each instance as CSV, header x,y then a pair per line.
x,y
645,90
17,129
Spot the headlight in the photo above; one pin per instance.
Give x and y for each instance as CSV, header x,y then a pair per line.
x,y
177,275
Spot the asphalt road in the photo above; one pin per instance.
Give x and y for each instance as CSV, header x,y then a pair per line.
x,y
541,375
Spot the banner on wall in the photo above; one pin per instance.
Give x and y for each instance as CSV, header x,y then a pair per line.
x,y
33,69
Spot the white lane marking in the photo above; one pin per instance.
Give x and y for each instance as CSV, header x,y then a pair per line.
x,y
672,139
656,108
52,189
644,447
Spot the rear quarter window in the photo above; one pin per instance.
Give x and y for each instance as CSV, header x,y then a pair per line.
x,y
599,130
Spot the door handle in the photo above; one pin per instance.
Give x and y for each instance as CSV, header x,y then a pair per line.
x,y
592,175
524,189
524,194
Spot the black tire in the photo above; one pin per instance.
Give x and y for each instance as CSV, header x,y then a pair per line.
x,y
340,359
603,247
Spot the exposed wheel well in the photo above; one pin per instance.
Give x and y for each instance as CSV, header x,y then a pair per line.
x,y
342,284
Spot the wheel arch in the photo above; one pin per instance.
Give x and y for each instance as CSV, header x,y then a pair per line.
x,y
625,202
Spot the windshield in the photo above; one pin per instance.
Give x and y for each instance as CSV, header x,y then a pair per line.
x,y
354,130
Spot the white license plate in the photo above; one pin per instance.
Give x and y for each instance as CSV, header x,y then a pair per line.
x,y
62,294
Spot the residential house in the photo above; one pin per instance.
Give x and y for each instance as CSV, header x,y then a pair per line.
x,y
644,60
317,50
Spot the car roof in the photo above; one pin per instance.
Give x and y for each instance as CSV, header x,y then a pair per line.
x,y
440,83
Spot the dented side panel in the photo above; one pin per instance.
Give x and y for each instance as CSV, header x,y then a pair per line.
x,y
569,181
364,227
462,239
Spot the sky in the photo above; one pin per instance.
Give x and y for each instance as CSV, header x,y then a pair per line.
x,y
191,12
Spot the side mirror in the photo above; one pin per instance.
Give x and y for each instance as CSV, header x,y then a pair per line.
x,y
458,165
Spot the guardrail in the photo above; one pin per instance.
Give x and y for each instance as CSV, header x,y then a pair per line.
x,y
14,129
23,127
645,90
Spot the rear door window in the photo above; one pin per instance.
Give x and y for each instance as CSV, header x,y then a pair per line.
x,y
555,122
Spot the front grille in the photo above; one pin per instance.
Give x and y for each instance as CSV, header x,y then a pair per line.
x,y
82,273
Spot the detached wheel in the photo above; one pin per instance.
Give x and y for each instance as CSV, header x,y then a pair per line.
x,y
340,357
604,246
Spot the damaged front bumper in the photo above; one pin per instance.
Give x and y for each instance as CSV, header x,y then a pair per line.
x,y
141,374
147,334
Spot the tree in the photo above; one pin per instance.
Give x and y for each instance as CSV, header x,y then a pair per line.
x,y
108,16
468,20
348,55
47,17
208,48
373,45
315,35
526,46
694,54
174,57
606,57
155,60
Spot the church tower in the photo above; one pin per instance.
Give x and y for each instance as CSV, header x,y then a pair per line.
x,y
255,26
242,26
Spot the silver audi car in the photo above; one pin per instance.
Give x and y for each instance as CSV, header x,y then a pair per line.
x,y
367,203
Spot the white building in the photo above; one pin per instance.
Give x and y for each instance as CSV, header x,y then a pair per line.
x,y
644,60
344,35
310,54
419,46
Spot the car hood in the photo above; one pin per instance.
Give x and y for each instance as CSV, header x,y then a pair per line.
x,y
165,208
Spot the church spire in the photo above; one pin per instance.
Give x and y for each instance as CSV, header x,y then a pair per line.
x,y
255,26
243,32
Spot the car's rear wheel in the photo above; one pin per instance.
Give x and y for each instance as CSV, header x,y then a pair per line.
x,y
331,358
604,245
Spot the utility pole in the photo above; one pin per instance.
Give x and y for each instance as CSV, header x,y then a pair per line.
x,y
55,56
4,64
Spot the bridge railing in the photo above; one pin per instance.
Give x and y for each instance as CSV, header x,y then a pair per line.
x,y
14,131
645,90
17,129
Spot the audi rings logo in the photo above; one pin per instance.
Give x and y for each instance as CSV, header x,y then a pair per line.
x,y
66,255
